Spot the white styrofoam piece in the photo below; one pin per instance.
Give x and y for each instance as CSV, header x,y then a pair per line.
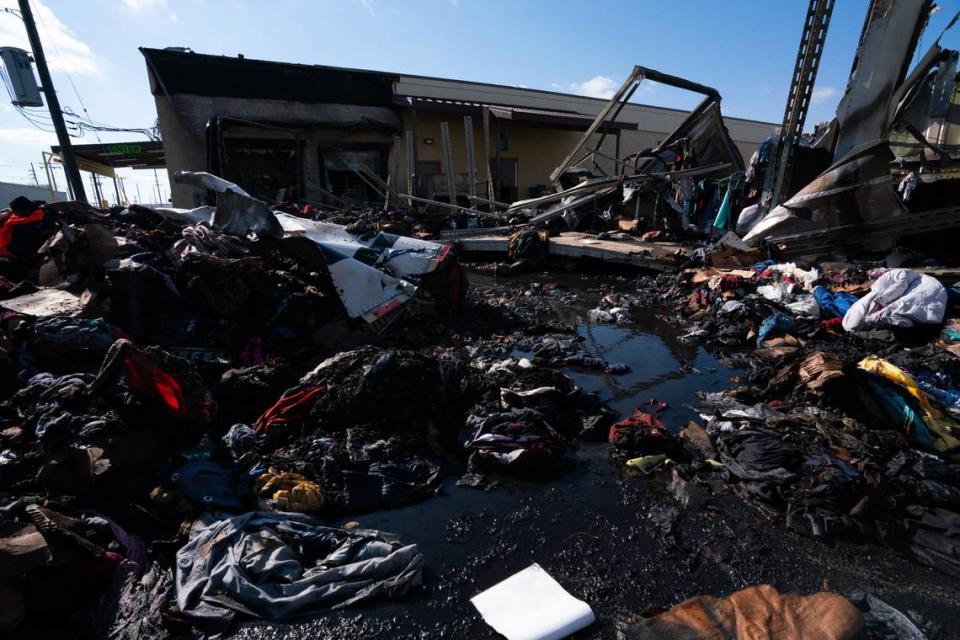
x,y
530,605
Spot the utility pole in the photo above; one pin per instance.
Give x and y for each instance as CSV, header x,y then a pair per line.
x,y
51,183
33,172
66,150
156,179
139,198
93,185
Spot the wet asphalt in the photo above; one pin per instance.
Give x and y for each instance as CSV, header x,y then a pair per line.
x,y
628,546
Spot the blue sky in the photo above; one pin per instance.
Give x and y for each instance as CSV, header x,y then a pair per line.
x,y
746,49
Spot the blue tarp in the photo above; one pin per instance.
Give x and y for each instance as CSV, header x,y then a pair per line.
x,y
834,304
775,322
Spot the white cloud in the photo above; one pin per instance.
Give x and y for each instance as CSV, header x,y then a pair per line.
x,y
595,87
26,136
649,86
555,85
144,5
822,94
174,18
368,5
63,50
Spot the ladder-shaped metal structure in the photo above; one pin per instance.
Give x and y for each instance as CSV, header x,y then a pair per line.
x,y
801,87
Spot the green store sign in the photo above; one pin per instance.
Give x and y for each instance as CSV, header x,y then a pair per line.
x,y
124,148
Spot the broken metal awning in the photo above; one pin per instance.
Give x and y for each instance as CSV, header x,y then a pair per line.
x,y
374,277
523,115
116,155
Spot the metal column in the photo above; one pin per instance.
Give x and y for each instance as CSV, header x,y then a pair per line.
x,y
471,157
411,165
486,154
801,87
397,152
51,180
496,152
616,153
448,162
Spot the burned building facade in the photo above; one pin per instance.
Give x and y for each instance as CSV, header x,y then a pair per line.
x,y
292,131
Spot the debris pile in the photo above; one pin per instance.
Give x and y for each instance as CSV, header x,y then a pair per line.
x,y
182,379
844,422
191,399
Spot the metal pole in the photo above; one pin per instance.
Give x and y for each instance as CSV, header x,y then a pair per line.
x,y
448,162
66,149
486,153
397,154
498,173
156,179
411,165
116,188
616,153
139,197
471,155
48,160
93,187
50,183
416,146
96,183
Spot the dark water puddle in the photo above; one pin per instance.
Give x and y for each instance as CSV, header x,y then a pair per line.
x,y
662,367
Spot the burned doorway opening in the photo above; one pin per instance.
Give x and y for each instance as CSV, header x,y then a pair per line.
x,y
339,166
271,170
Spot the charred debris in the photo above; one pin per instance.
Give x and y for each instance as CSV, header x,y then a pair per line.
x,y
190,398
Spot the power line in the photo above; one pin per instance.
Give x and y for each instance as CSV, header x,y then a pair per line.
x,y
43,25
77,125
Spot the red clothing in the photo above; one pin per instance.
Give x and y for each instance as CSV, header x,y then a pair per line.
x,y
9,227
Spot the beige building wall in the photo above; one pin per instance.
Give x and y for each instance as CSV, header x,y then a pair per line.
x,y
538,150
748,134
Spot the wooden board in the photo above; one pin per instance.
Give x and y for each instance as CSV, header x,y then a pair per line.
x,y
648,255
946,275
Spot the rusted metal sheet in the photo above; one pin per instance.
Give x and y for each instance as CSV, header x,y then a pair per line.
x,y
855,201
887,43
855,190
700,118
708,139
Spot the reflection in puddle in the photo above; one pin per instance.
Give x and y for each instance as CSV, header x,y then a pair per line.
x,y
662,367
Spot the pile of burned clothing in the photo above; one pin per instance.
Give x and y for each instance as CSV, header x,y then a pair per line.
x,y
376,428
81,454
369,426
525,419
235,278
160,365
139,434
844,423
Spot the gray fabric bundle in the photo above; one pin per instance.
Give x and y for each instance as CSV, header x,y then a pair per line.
x,y
276,565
